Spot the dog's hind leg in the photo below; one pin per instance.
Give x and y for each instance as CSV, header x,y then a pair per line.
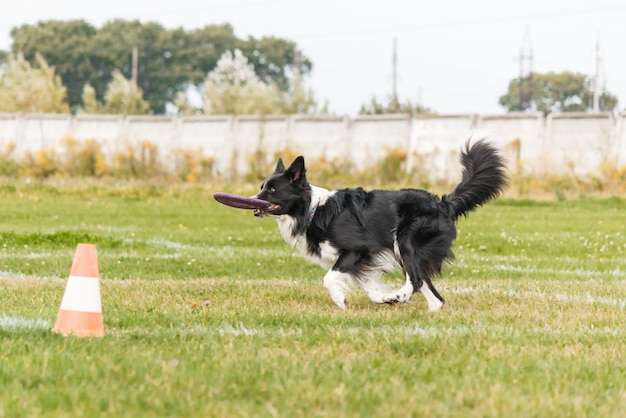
x,y
425,287
433,298
418,270
336,282
402,295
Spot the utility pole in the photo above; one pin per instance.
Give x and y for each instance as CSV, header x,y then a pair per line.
x,y
420,97
296,63
596,79
394,64
135,64
525,72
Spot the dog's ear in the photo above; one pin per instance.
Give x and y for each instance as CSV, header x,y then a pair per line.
x,y
296,170
280,167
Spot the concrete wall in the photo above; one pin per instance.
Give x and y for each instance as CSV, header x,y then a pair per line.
x,y
435,142
210,136
321,136
579,142
620,141
521,138
372,137
558,143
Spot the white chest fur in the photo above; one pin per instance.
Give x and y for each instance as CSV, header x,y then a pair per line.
x,y
328,255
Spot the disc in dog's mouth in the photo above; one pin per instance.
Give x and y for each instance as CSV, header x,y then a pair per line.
x,y
259,213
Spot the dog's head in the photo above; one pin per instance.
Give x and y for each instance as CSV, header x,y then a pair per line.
x,y
286,189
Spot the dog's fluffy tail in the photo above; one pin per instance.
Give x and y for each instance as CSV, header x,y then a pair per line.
x,y
484,178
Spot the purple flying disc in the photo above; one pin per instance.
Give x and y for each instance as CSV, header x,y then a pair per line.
x,y
240,202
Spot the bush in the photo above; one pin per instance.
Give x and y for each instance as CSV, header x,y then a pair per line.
x,y
8,166
137,162
41,164
86,159
191,167
27,89
83,158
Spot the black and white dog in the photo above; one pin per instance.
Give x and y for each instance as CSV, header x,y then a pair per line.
x,y
357,235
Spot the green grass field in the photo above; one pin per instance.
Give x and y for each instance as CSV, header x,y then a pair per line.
x,y
534,323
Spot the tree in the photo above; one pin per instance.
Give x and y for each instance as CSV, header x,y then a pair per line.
x,y
185,108
170,61
90,102
160,74
394,106
27,89
558,92
272,59
124,97
204,47
234,88
65,45
298,100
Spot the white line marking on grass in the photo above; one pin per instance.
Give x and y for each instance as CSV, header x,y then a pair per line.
x,y
559,272
577,297
241,330
162,242
19,322
131,255
30,255
202,252
221,251
10,275
228,251
238,330
588,298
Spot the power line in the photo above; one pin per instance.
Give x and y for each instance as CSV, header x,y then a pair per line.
x,y
221,6
193,10
385,29
447,24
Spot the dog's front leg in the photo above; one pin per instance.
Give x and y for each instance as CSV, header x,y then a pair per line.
x,y
337,284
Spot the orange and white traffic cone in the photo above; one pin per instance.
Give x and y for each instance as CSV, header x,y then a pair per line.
x,y
81,307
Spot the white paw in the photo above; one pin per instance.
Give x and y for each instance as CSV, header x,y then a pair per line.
x,y
397,297
391,299
335,283
341,302
434,303
434,306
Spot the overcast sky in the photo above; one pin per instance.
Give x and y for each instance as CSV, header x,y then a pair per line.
x,y
454,56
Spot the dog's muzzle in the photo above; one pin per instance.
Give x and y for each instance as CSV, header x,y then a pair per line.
x,y
261,213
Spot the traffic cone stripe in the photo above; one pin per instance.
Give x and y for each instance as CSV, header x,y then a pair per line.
x,y
81,309
82,294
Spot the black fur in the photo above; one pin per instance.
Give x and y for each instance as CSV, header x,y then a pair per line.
x,y
361,225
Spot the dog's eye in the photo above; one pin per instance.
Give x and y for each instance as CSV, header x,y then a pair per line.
x,y
271,190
